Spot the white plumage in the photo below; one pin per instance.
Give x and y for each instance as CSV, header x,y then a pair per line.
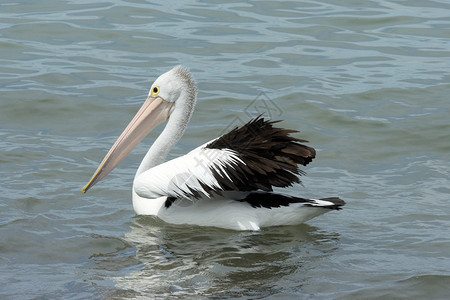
x,y
183,176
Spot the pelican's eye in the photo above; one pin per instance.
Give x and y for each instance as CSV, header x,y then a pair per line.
x,y
155,91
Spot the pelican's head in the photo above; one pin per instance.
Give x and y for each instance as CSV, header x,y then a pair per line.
x,y
176,84
173,91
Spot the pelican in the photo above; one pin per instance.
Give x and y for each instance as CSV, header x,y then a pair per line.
x,y
227,182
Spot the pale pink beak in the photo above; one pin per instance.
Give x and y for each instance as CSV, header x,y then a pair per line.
x,y
153,112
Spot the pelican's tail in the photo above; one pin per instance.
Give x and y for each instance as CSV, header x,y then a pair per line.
x,y
272,200
331,203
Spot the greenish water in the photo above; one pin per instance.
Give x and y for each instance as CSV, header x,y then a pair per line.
x,y
366,82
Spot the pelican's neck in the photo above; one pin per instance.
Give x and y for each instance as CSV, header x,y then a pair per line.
x,y
172,133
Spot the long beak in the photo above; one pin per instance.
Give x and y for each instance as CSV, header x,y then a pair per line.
x,y
154,112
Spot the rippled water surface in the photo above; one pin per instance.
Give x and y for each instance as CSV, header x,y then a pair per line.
x,y
367,82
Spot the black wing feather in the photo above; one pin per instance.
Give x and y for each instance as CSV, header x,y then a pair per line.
x,y
269,154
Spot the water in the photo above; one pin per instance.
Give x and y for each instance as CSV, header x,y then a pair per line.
x,y
367,82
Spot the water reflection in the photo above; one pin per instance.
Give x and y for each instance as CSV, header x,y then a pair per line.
x,y
189,260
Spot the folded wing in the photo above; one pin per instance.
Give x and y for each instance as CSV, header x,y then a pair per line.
x,y
256,156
